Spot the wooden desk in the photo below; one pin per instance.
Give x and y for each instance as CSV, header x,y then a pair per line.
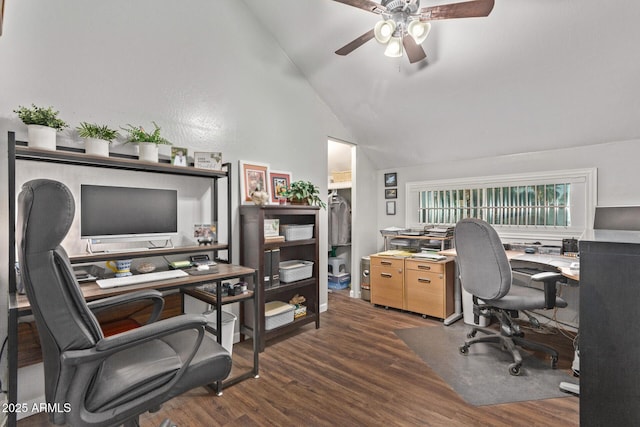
x,y
547,260
19,306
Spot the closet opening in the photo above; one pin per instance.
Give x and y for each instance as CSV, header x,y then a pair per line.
x,y
343,274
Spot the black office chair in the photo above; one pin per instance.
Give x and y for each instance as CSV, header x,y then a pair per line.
x,y
485,273
93,380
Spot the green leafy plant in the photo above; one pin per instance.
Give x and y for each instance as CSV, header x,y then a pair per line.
x,y
40,116
137,134
304,192
92,130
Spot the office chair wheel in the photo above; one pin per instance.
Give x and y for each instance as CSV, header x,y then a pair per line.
x,y
514,369
464,349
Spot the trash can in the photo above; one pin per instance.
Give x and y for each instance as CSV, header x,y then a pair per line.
x,y
467,311
228,327
196,306
365,280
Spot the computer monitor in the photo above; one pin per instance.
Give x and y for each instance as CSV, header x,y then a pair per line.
x,y
127,213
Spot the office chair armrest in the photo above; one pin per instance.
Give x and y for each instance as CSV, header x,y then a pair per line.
x,y
549,278
122,341
154,296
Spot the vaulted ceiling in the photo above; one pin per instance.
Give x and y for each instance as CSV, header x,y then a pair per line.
x,y
533,75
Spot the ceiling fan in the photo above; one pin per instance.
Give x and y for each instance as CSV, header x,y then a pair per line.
x,y
405,25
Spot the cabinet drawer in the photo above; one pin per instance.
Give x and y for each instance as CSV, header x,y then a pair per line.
x,y
424,282
388,262
387,286
421,265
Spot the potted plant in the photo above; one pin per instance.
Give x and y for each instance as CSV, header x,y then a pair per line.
x,y
304,193
42,125
97,138
147,141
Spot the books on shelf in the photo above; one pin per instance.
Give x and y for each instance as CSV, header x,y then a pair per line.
x,y
273,239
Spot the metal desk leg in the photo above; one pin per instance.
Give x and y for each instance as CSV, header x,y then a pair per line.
x,y
256,327
457,315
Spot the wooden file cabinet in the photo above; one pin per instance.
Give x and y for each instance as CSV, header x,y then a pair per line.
x,y
387,281
428,287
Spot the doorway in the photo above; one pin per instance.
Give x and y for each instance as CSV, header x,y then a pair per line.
x,y
343,274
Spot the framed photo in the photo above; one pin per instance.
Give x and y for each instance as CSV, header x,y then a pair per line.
x,y
253,177
178,156
391,179
205,233
391,193
207,160
391,208
279,182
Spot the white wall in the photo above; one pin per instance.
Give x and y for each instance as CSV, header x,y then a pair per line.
x,y
616,163
205,71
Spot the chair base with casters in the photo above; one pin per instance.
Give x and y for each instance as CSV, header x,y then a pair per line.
x,y
509,337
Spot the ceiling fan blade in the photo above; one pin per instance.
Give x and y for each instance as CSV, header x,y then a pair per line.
x,y
469,9
415,52
350,47
368,5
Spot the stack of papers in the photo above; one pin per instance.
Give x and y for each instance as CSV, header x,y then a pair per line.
x,y
440,232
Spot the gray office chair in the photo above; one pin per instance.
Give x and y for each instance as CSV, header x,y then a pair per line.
x,y
93,380
485,273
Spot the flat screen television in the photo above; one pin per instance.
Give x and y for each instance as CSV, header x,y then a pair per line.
x,y
127,213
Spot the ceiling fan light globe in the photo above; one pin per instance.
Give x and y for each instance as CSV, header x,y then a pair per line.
x,y
419,30
394,48
383,30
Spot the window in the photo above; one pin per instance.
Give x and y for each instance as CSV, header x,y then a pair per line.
x,y
549,204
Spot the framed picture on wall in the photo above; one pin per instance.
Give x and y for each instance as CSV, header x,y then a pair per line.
x,y
253,177
391,193
391,208
279,182
391,179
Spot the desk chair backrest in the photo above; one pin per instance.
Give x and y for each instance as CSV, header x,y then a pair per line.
x,y
45,213
484,269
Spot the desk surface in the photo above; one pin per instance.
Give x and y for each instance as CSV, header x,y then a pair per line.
x,y
92,291
562,263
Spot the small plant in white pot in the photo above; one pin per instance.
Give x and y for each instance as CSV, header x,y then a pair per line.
x,y
97,138
42,125
147,141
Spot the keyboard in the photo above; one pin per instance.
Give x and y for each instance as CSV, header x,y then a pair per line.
x,y
115,282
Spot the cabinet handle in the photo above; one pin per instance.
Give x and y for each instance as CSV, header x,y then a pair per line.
x,y
386,275
424,267
422,280
385,263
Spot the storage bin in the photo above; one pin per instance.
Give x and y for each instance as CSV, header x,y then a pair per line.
x,y
277,313
344,176
294,270
296,231
340,281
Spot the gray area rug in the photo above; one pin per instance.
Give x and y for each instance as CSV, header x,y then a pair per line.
x,y
482,376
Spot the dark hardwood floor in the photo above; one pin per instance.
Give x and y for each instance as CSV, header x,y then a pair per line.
x,y
353,371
